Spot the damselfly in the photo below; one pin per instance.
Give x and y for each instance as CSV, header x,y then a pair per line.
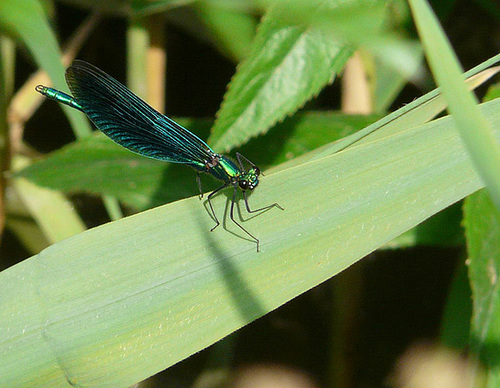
x,y
135,125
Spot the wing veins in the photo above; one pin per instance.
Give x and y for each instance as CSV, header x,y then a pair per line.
x,y
131,122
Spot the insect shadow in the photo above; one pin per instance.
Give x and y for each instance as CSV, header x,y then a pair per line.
x,y
248,304
227,209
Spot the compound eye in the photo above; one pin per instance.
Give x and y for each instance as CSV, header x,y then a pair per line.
x,y
243,184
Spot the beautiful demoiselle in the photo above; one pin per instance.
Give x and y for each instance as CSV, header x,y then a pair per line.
x,y
132,123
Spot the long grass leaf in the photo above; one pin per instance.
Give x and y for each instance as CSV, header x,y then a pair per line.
x,y
123,301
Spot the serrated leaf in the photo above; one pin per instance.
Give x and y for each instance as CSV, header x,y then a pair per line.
x,y
294,59
97,165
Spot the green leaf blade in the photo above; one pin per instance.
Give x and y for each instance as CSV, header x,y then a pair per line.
x,y
138,295
482,223
478,135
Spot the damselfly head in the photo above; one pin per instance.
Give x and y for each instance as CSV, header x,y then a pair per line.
x,y
250,179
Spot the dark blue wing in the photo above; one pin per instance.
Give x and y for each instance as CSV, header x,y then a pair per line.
x,y
130,121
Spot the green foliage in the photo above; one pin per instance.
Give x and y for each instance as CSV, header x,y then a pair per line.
x,y
123,301
97,165
161,280
296,59
482,224
481,143
26,21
